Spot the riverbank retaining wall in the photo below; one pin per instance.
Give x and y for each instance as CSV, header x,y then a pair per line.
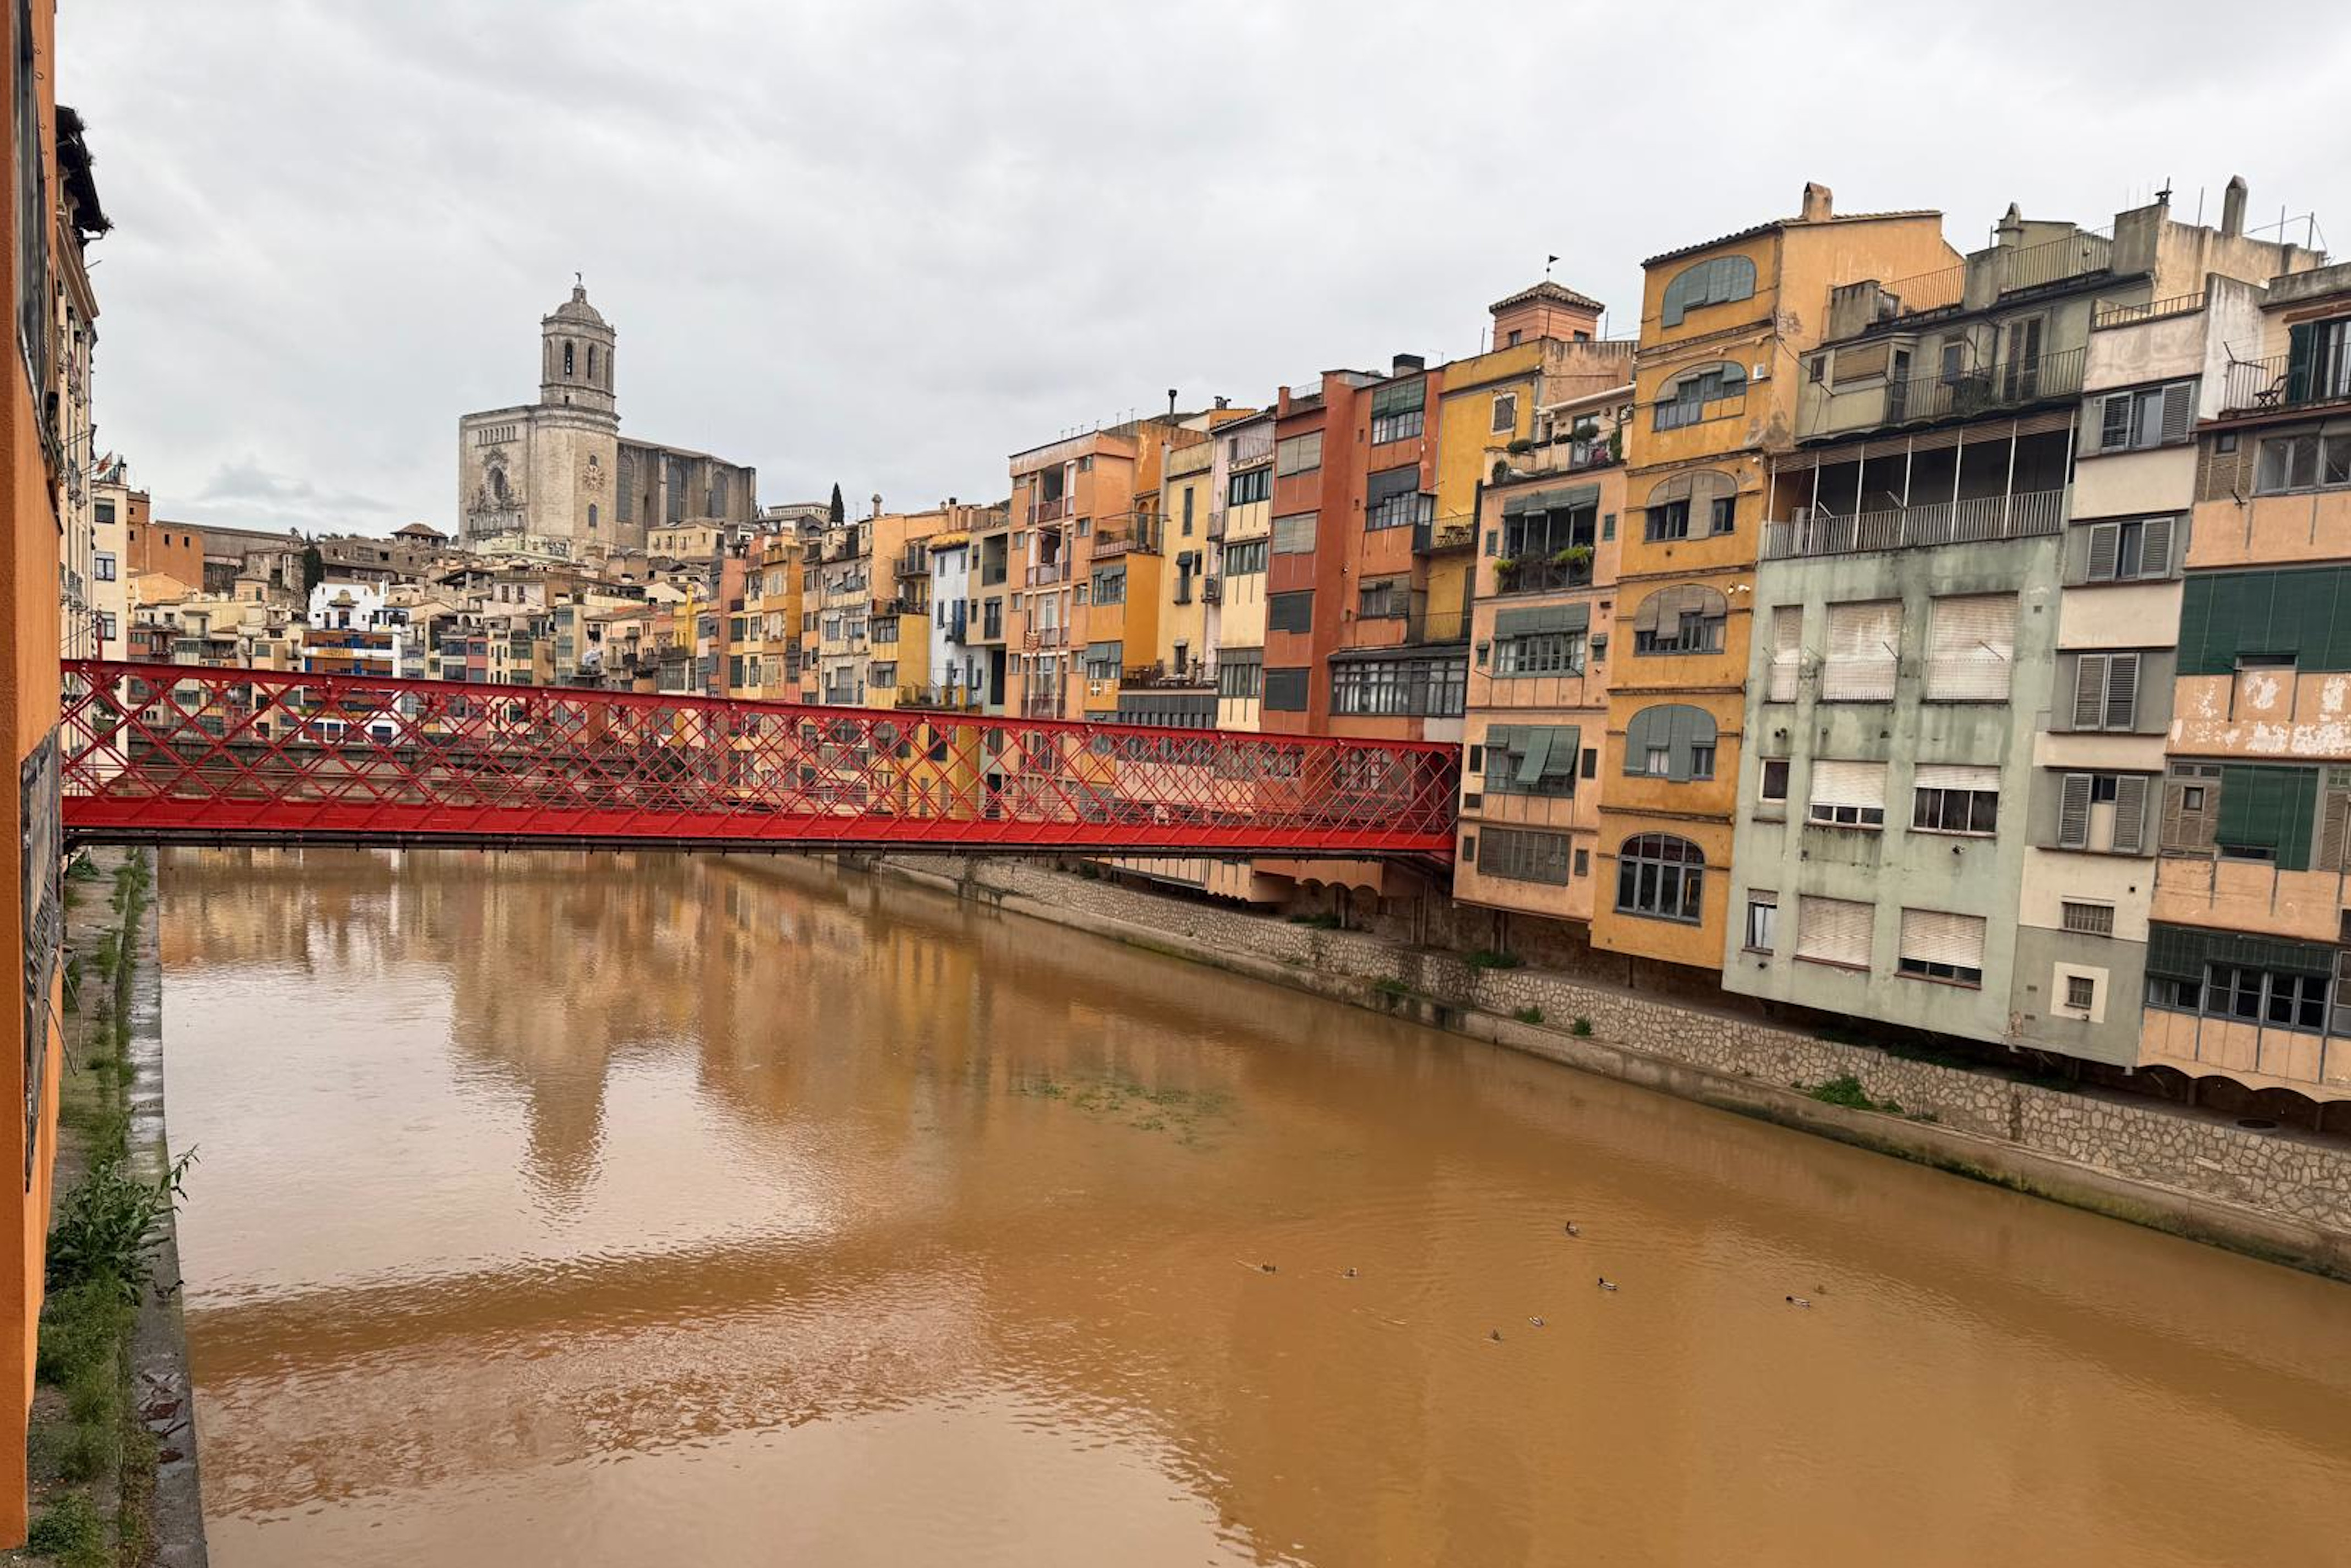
x,y
2274,1192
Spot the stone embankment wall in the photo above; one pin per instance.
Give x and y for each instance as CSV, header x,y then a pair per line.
x,y
2277,1193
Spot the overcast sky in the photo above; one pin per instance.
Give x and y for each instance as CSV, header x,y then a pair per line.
x,y
889,243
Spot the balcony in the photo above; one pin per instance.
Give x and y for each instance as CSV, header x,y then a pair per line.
x,y
914,563
1126,535
1166,678
1982,519
1049,573
1041,705
1048,637
1435,536
940,699
1544,574
1048,509
2265,386
1936,396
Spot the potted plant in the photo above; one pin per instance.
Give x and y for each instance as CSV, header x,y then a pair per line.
x,y
1521,444
1506,570
1573,559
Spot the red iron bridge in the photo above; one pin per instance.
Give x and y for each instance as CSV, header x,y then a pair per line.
x,y
164,753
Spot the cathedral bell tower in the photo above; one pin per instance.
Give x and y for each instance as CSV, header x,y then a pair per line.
x,y
576,356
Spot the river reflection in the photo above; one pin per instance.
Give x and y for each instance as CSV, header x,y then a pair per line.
x,y
571,1209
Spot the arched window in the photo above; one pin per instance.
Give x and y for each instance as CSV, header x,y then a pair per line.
x,y
1716,281
1686,618
1661,877
567,361
591,515
1702,501
1671,741
1695,395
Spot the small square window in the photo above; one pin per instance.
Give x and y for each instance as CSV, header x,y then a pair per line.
x,y
1774,785
2080,992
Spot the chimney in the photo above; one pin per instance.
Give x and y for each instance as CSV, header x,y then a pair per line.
x,y
877,503
1171,402
1818,202
1407,364
1223,401
2011,229
2232,207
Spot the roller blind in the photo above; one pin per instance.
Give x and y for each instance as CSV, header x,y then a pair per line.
x,y
1849,783
1787,652
1397,397
1971,647
1947,775
1295,534
1390,482
1932,936
1833,931
1535,622
1864,637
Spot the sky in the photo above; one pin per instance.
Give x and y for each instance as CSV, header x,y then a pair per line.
x,y
887,242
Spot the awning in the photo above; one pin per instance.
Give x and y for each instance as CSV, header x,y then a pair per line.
x,y
1537,622
1552,500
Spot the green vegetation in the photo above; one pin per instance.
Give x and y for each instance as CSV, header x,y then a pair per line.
x,y
1185,1113
1529,1015
1581,1028
70,1532
1318,922
1389,985
1487,957
1843,1090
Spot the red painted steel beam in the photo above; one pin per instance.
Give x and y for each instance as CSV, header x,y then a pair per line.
x,y
185,754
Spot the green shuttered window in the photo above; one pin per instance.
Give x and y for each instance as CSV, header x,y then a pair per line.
x,y
2224,616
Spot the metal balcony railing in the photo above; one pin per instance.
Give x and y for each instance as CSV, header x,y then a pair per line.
x,y
1971,519
914,563
1139,535
1048,573
1162,678
2105,314
2257,385
1041,509
1542,574
1965,394
1433,535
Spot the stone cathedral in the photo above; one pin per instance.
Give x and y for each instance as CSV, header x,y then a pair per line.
x,y
557,476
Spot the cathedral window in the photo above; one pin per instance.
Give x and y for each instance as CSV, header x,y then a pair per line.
x,y
566,359
591,361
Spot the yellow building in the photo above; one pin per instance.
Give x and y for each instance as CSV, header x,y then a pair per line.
x,y
1240,530
1723,325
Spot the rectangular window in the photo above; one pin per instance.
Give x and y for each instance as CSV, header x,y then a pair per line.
x,y
2132,550
1399,688
1295,534
2105,692
2080,992
1525,856
2106,813
1245,557
1772,785
1936,945
103,565
2089,920
1970,648
1544,653
1240,673
1670,521
1290,612
1299,455
1396,410
1848,795
1946,799
1529,759
1865,637
1834,931
1285,690
2152,416
1506,414
1787,652
1393,499
1762,922
1255,485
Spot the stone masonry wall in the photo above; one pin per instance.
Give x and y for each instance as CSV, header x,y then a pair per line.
x,y
2282,1175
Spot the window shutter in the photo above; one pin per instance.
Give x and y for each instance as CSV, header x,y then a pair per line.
x,y
1536,756
2073,812
2089,690
1950,775
1863,638
2130,814
1848,784
2178,410
1787,652
2334,841
2300,340
2122,690
1932,936
2155,547
1971,647
1833,931
2114,421
2105,537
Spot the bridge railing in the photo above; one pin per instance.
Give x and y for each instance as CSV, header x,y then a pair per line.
x,y
184,754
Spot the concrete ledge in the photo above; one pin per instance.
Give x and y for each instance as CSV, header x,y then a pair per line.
x,y
2277,1238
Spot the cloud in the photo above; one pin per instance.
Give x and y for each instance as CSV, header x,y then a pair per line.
x,y
245,494
889,243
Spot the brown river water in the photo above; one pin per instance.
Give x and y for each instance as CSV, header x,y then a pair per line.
x,y
648,1210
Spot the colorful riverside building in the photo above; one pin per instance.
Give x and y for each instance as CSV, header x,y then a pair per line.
x,y
1724,326
2249,954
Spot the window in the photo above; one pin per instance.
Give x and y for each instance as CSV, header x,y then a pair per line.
x,y
2152,416
1772,784
2250,995
1670,741
1290,612
1692,396
1525,856
1530,759
1834,931
103,566
1941,946
1719,280
106,627
1670,521
1295,534
1393,499
2133,550
1245,557
1544,653
106,511
2318,360
1384,598
1848,795
1506,413
2304,462
1686,618
1108,584
1412,688
2088,919
1787,653
1762,922
2103,812
1190,494
1396,410
566,359
1946,799
1299,455
1285,690
1240,673
1865,637
1970,648
2105,692
1242,489
1533,537
1661,877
